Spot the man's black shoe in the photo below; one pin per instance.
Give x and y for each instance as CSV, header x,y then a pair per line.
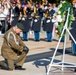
x,y
37,40
75,70
5,68
49,41
25,39
19,68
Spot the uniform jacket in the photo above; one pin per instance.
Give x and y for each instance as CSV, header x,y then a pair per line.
x,y
74,11
11,45
26,23
47,25
73,24
73,30
36,26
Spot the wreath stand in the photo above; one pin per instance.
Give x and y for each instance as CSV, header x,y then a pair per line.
x,y
62,63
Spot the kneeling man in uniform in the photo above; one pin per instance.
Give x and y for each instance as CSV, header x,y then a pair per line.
x,y
13,48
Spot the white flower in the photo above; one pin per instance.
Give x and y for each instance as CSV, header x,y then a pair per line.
x,y
59,6
59,12
63,1
59,19
64,17
59,16
53,20
56,24
54,14
56,31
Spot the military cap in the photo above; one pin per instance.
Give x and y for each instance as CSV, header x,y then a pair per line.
x,y
20,26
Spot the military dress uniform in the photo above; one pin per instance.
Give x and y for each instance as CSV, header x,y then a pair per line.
x,y
26,23
74,11
73,32
48,24
12,48
36,27
48,27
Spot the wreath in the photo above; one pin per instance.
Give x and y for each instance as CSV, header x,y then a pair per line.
x,y
59,18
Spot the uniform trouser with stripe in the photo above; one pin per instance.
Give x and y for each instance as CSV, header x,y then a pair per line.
x,y
49,36
73,48
25,35
36,35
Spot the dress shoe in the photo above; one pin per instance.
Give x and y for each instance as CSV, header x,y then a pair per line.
x,y
49,41
9,69
19,68
75,70
25,40
1,66
5,68
62,40
37,40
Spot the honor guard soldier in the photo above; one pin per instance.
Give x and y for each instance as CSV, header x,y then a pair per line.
x,y
73,32
36,26
48,26
13,48
26,23
47,23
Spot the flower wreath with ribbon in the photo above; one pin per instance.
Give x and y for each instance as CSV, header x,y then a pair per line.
x,y
59,18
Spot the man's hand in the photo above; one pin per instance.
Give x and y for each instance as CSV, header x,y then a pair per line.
x,y
26,49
